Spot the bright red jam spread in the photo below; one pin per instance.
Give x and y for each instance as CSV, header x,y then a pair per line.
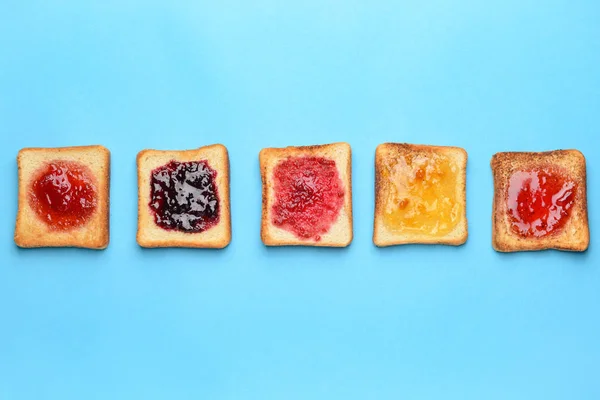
x,y
309,195
183,196
539,201
63,195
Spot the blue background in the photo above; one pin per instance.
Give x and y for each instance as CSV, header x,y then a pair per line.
x,y
251,322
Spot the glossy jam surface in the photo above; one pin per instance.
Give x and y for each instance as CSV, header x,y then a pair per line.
x,y
183,196
422,194
63,195
539,201
309,195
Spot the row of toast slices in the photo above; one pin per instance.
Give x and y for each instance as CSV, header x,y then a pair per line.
x,y
31,232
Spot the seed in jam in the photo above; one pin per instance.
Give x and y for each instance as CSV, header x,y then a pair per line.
x,y
539,201
63,195
183,196
422,196
309,195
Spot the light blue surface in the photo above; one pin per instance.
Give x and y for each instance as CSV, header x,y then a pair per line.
x,y
298,323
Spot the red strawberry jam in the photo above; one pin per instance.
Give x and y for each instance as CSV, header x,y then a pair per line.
x,y
63,195
183,196
539,201
309,195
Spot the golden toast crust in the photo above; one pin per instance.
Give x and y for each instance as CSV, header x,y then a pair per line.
x,y
30,231
574,235
149,234
340,234
382,236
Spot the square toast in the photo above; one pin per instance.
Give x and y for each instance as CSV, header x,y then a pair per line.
x,y
412,178
33,231
149,233
574,234
337,232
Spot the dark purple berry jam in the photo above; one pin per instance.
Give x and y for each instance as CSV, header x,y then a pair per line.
x,y
183,196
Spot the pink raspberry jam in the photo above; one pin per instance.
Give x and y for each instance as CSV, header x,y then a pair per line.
x,y
309,195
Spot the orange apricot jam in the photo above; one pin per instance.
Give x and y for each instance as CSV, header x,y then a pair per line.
x,y
422,194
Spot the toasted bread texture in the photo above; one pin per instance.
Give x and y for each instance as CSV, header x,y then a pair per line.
x,y
389,178
574,235
340,232
149,234
32,231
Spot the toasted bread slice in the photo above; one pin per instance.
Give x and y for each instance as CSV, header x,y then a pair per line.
x,y
32,230
336,234
574,235
399,196
149,233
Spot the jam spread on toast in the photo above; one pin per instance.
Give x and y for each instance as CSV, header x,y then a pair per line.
x,y
309,195
422,196
63,195
183,196
539,201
